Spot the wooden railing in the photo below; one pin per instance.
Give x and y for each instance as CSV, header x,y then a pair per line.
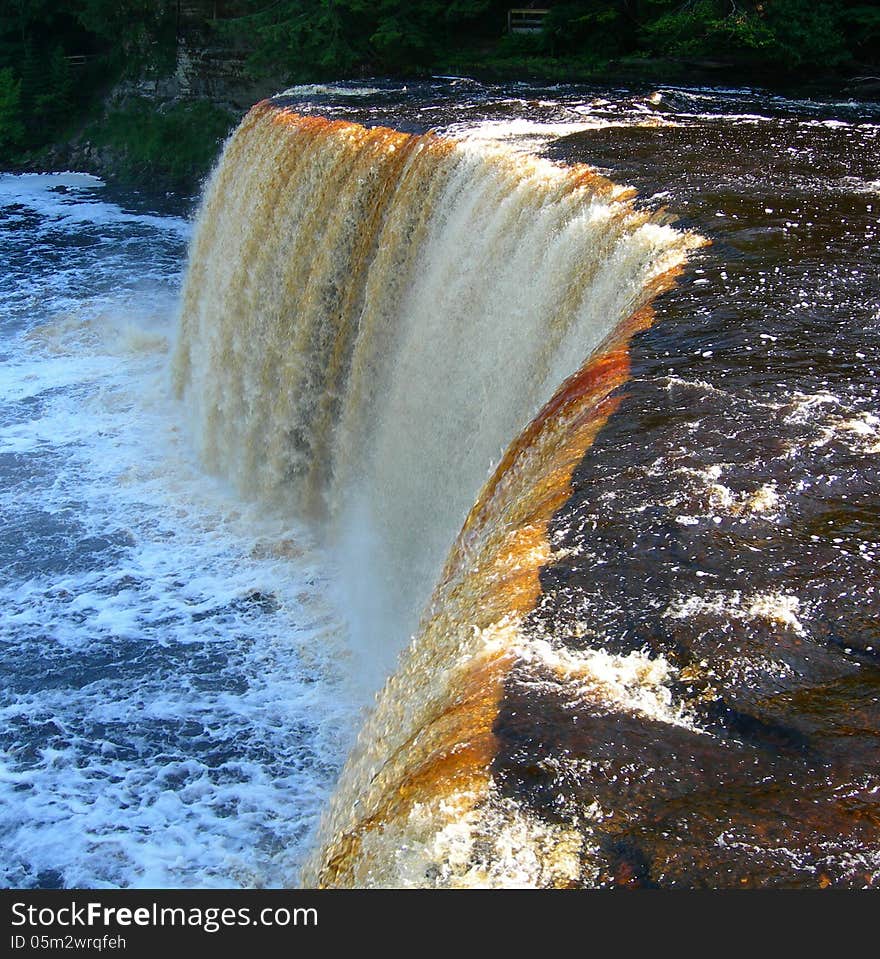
x,y
525,20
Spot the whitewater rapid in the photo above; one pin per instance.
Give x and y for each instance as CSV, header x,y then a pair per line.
x,y
174,704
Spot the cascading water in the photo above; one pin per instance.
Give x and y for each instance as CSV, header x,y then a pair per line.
x,y
369,319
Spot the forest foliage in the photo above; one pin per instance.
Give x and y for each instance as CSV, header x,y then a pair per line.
x,y
341,37
58,58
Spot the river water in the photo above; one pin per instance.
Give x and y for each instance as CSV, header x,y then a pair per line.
x,y
170,711
177,696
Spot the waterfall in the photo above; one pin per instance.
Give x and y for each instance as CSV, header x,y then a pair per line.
x,y
412,341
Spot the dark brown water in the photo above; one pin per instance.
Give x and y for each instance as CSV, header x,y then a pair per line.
x,y
727,517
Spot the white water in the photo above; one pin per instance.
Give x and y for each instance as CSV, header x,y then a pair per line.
x,y
173,706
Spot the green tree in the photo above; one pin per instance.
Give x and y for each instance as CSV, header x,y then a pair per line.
x,y
708,28
593,26
11,127
860,23
52,105
346,37
806,34
134,33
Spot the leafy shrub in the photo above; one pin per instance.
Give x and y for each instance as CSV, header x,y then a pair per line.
x,y
174,147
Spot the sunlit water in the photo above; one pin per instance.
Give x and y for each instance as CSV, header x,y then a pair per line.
x,y
175,703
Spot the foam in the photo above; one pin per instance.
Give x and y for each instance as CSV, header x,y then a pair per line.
x,y
177,701
331,90
532,135
71,198
784,609
635,683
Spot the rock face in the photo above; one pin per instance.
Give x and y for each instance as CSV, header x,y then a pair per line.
x,y
201,72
